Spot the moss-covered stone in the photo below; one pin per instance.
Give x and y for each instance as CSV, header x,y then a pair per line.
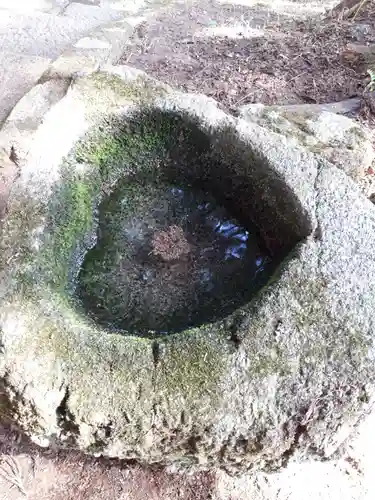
x,y
279,375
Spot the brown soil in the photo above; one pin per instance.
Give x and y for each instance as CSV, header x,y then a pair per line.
x,y
290,62
27,471
170,244
269,59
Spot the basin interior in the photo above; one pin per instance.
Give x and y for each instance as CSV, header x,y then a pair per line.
x,y
190,224
168,257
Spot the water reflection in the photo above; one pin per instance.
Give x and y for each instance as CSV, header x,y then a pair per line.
x,y
167,258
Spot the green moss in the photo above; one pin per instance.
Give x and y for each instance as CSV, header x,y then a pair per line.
x,y
141,89
57,334
101,153
193,364
77,218
68,347
139,144
117,148
71,221
45,237
263,365
88,352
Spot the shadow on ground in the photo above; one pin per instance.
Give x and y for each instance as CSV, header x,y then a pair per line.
x,y
27,471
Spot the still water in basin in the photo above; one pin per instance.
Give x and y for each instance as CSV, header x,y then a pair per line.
x,y
167,258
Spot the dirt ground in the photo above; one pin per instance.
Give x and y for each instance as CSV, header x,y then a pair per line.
x,y
237,54
243,52
27,471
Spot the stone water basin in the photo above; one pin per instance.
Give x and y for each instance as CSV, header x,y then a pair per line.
x,y
167,258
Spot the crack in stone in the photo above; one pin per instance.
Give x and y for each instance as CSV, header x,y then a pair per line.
x,y
65,418
156,359
318,233
156,353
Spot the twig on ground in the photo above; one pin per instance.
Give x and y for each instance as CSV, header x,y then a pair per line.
x,y
359,8
341,108
129,57
346,8
11,472
297,76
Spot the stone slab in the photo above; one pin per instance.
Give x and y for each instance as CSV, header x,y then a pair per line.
x,y
18,74
341,140
41,34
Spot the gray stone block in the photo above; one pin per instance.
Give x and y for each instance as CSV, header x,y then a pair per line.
x,y
18,74
92,13
42,34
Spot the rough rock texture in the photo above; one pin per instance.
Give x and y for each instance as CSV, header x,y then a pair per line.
x,y
337,138
287,375
81,34
18,74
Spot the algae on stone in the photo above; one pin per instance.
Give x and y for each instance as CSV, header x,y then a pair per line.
x,y
280,376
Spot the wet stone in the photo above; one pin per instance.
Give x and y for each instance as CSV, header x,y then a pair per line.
x,y
166,258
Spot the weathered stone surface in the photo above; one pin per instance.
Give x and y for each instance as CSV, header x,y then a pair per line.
x,y
24,120
339,139
286,375
345,477
104,45
19,73
98,14
88,34
41,34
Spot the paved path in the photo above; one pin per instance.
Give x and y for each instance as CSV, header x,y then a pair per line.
x,y
33,33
